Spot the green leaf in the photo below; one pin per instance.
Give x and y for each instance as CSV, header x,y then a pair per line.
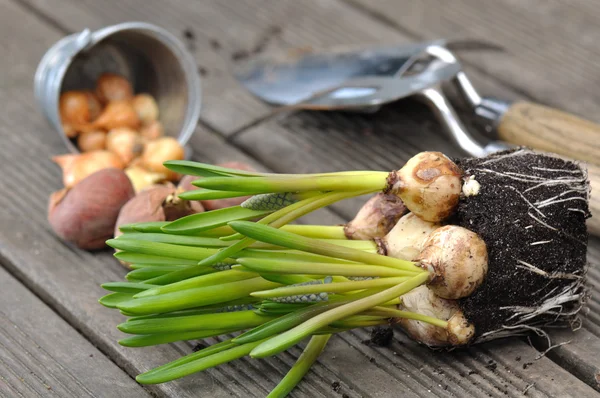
x,y
139,258
181,274
112,300
197,297
290,240
292,336
146,340
308,267
182,240
209,194
196,365
126,287
212,219
224,320
275,184
313,349
204,170
215,278
151,226
160,249
146,273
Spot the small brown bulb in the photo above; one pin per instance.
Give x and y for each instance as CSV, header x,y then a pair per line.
x,y
146,108
113,87
152,130
159,151
94,105
117,114
142,178
93,140
155,203
422,300
74,108
76,167
429,184
457,260
460,330
86,214
125,142
376,218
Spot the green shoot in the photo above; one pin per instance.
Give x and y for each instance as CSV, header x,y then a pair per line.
x,y
313,349
237,320
278,237
287,339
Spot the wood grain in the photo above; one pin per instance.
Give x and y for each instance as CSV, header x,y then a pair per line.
x,y
229,33
308,140
42,355
68,279
551,130
551,47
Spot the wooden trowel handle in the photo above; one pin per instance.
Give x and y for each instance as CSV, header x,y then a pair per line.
x,y
551,130
548,129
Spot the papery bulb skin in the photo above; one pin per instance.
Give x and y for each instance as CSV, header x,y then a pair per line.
x,y
376,218
457,260
429,184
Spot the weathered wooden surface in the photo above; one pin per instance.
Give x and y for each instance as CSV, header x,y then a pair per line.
x,y
551,46
41,354
226,33
68,279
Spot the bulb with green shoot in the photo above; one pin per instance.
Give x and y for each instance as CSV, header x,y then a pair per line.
x,y
464,266
429,184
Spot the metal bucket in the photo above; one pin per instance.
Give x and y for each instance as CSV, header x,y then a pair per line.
x,y
152,59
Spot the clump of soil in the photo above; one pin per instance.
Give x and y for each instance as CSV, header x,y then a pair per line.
x,y
380,336
530,211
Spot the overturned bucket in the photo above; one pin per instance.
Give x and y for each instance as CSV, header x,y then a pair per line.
x,y
152,59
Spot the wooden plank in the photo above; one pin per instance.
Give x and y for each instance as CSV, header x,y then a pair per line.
x,y
67,279
580,355
307,141
229,32
50,268
551,46
40,354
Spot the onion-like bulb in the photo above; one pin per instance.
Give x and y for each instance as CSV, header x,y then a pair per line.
x,y
155,203
85,215
376,218
159,151
405,241
152,130
117,114
146,108
77,167
93,140
423,301
126,143
457,260
142,178
74,107
429,184
112,87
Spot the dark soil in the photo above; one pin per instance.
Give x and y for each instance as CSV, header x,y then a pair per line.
x,y
336,386
501,216
380,336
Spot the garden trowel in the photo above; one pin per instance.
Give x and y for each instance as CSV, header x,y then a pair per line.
x,y
364,79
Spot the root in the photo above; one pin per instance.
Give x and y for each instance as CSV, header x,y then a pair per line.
x,y
531,213
557,310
